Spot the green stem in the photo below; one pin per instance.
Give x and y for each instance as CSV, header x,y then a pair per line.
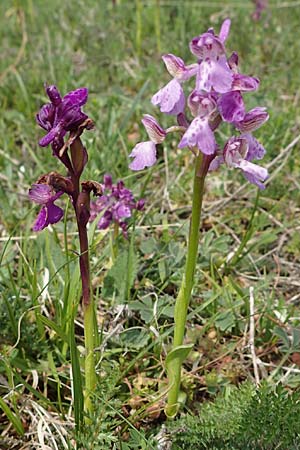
x,y
114,242
179,352
138,35
157,26
89,364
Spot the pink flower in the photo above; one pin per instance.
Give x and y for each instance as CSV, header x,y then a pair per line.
x,y
50,213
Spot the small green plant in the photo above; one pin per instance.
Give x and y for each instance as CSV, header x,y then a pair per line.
x,y
266,418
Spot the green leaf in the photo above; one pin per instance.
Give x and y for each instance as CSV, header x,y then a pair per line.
x,y
225,321
77,380
282,334
15,420
120,278
134,338
179,353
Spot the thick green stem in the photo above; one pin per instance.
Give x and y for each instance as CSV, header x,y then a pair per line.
x,y
179,351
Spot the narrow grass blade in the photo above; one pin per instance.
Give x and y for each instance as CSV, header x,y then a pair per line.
x,y
15,420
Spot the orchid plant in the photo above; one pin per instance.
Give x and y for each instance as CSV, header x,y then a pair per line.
x,y
59,117
216,97
116,205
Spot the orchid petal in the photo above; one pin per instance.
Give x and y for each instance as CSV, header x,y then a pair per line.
x,y
170,98
224,31
200,135
54,213
144,154
40,193
41,220
54,95
155,132
255,149
231,106
216,75
76,98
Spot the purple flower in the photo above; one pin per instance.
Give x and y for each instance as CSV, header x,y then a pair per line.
x,y
199,134
61,115
260,6
231,104
238,152
144,153
214,71
116,204
170,98
50,213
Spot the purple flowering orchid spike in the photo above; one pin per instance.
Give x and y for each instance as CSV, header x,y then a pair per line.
x,y
61,115
50,213
217,97
144,153
260,6
117,204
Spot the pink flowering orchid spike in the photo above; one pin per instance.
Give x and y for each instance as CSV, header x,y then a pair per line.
x,y
215,96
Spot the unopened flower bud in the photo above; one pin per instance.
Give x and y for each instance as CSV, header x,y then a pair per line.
x,y
54,95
